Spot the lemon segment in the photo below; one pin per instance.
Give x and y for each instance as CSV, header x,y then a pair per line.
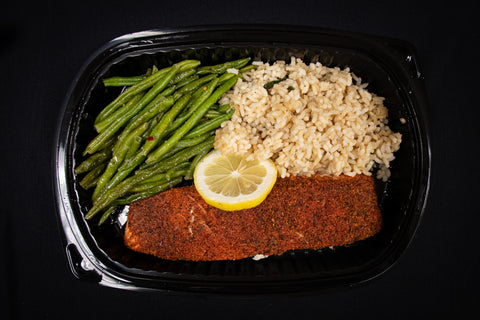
x,y
230,182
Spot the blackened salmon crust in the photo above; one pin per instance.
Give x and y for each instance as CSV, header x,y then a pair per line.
x,y
299,213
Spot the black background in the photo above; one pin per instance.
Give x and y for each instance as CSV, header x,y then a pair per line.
x,y
44,44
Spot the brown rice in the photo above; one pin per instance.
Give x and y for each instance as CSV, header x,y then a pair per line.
x,y
319,120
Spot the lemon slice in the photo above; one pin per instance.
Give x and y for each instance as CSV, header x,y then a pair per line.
x,y
233,183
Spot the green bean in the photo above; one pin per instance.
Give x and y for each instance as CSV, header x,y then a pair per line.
x,y
221,79
135,145
152,70
200,90
224,77
121,111
106,214
191,121
185,142
186,81
192,106
167,92
209,125
129,93
159,179
182,144
159,129
238,64
180,156
169,117
173,171
109,143
146,99
193,165
134,161
120,190
167,174
151,126
177,171
212,114
91,178
248,68
194,85
118,202
193,140
138,141
170,153
182,76
228,75
105,139
119,176
123,81
157,106
118,123
112,194
116,160
222,67
141,86
93,161
154,166
154,109
154,190
224,108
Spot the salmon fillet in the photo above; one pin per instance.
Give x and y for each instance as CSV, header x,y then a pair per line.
x,y
299,213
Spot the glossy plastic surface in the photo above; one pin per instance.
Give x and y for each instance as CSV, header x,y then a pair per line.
x,y
388,65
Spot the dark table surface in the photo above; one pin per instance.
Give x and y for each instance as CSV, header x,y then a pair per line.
x,y
44,44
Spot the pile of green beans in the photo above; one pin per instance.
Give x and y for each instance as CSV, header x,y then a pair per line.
x,y
153,134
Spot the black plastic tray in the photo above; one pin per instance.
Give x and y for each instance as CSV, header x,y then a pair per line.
x,y
388,65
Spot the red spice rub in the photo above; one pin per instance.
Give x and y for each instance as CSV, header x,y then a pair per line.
x,y
299,213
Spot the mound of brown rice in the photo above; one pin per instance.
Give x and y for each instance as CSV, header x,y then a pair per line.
x,y
319,120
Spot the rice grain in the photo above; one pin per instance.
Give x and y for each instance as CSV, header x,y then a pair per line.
x,y
320,120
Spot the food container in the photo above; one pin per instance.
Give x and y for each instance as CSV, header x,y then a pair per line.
x,y
388,65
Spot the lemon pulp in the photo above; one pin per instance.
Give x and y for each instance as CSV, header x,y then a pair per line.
x,y
230,182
